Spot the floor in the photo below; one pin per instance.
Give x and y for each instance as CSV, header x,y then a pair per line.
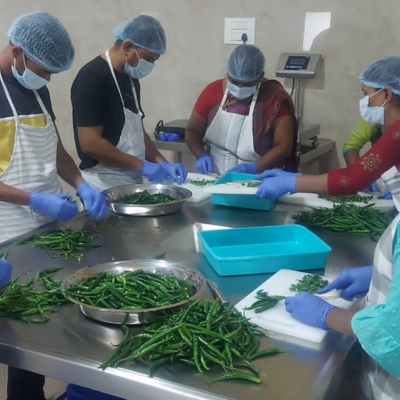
x,y
53,388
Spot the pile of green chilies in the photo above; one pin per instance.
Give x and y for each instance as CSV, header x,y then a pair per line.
x,y
21,301
65,242
351,198
145,198
131,290
309,283
203,182
264,302
204,335
347,218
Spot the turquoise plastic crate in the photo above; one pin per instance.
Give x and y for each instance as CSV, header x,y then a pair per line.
x,y
240,200
265,249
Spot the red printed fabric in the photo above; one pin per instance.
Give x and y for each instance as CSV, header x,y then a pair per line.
x,y
384,154
273,102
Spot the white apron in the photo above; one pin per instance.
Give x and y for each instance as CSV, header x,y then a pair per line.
x,y
230,137
33,166
391,180
102,176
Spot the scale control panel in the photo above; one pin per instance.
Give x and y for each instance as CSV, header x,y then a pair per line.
x,y
302,65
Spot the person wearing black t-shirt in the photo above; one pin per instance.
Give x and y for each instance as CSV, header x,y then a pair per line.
x,y
110,139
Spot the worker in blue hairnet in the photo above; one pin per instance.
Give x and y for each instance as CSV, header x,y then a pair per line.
x,y
108,118
246,120
31,153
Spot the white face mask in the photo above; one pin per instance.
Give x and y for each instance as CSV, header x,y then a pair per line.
x,y
373,115
28,79
141,70
240,93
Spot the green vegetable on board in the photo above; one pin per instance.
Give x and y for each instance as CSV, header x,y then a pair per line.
x,y
264,302
203,182
351,198
309,283
347,218
205,335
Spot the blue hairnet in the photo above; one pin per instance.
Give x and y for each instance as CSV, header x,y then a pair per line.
x,y
384,72
143,31
246,63
43,39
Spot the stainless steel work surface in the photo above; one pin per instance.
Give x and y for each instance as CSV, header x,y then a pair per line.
x,y
71,347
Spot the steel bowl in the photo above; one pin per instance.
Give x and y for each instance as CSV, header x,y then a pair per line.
x,y
132,317
146,210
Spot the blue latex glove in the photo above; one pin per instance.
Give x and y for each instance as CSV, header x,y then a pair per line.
x,y
205,163
175,171
354,283
54,205
154,172
168,137
247,168
93,200
276,183
387,195
371,188
309,309
5,271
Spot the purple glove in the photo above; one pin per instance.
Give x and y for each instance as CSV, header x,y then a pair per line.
x,y
154,172
247,168
205,163
168,137
276,183
93,200
387,195
354,283
372,188
175,171
309,309
5,271
54,205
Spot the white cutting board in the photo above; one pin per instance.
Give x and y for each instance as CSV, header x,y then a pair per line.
x,y
231,188
198,193
277,319
312,200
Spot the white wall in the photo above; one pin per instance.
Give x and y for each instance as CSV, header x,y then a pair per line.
x,y
361,32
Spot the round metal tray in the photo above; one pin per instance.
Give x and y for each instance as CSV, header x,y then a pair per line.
x,y
146,210
132,317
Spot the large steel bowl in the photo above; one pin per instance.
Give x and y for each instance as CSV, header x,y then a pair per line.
x,y
131,317
146,210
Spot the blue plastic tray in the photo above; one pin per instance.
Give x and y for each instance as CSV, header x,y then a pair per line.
x,y
265,249
240,200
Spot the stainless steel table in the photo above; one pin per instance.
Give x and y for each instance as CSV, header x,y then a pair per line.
x,y
71,347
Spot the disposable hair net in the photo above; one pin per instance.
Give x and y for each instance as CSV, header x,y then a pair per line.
x,y
43,39
246,63
384,72
143,31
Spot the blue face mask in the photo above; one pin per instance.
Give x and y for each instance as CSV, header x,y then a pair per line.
x,y
141,70
240,93
373,115
28,79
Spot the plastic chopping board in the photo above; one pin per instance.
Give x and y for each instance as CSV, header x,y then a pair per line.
x,y
198,192
312,200
277,319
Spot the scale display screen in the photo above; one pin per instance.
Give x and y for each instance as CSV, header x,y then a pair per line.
x,y
297,63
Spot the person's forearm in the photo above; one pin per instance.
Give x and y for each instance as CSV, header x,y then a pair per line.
x,y
11,194
273,158
66,167
351,156
340,320
194,142
312,184
152,154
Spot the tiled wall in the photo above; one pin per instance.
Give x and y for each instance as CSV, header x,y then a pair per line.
x,y
358,32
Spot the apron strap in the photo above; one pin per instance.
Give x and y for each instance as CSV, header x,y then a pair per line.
x,y
113,75
135,97
10,102
43,107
